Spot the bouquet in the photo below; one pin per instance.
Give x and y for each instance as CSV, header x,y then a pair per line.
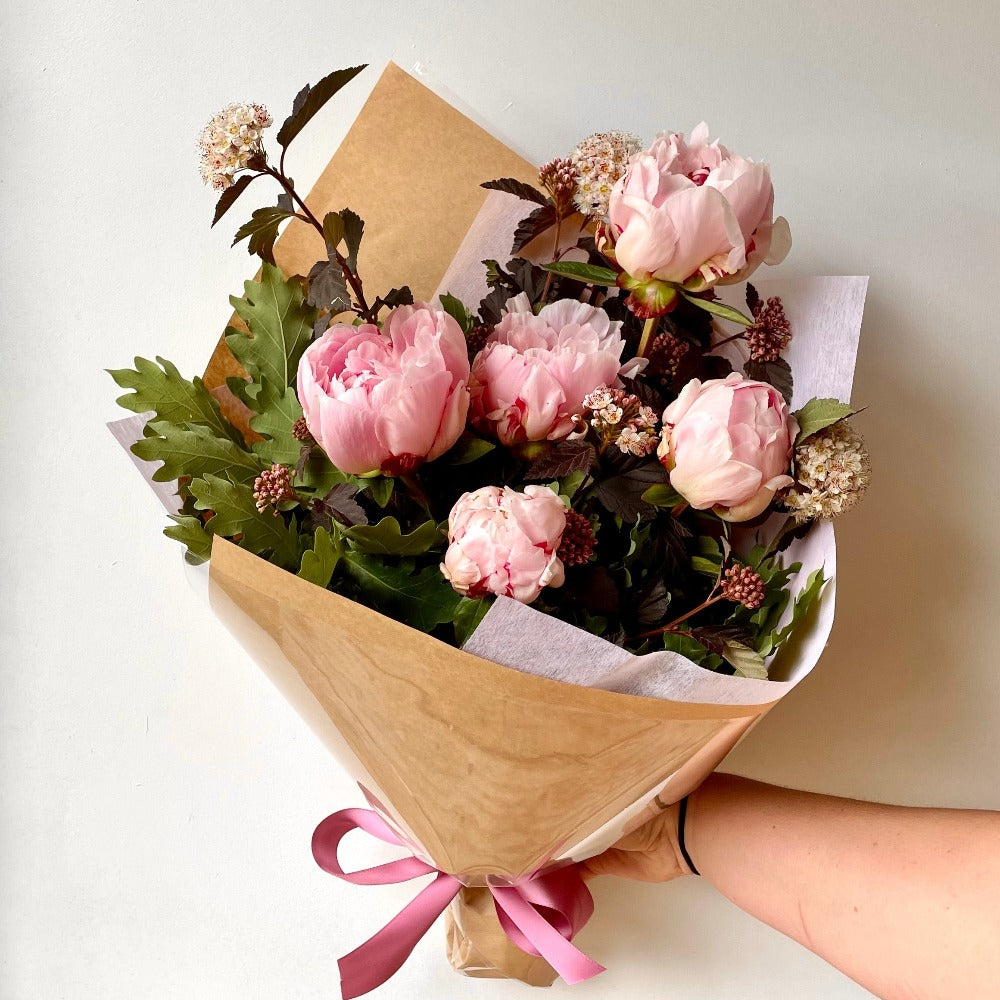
x,y
584,461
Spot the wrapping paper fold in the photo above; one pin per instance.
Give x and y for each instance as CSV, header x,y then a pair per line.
x,y
494,762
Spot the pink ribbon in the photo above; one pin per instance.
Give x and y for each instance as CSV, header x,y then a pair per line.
x,y
539,915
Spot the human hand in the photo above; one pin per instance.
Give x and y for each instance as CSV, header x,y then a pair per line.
x,y
650,853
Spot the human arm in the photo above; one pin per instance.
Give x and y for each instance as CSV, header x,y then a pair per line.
x,y
905,901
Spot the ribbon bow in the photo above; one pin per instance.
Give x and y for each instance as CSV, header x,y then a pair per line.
x,y
540,915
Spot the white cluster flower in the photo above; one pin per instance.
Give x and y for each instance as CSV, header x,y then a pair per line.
x,y
229,141
832,469
620,418
600,161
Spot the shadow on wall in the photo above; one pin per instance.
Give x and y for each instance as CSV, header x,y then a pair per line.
x,y
895,710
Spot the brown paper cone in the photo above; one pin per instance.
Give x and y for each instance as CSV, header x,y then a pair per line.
x,y
478,947
490,771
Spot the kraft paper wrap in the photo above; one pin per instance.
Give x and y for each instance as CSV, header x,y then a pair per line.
x,y
487,772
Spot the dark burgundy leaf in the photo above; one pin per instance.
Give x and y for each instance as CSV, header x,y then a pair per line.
x,y
309,100
340,503
542,218
562,459
596,589
230,195
646,394
621,494
777,373
753,298
653,606
328,287
715,637
511,185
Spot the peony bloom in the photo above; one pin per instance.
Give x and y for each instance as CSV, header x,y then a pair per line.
x,y
530,378
692,214
505,542
386,400
727,444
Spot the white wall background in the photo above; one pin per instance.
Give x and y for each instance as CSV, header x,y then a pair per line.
x,y
157,795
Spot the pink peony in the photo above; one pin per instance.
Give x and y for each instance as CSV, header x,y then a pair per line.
x,y
693,214
530,378
505,542
727,444
385,401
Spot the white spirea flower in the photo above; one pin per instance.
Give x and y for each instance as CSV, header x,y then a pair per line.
x,y
229,141
600,160
832,472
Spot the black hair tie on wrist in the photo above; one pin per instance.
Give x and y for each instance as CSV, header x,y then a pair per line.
x,y
682,816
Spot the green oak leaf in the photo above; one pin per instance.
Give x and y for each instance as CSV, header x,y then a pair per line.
x,y
262,231
804,602
160,387
663,495
423,600
386,538
236,516
319,562
194,450
818,414
189,530
277,410
280,324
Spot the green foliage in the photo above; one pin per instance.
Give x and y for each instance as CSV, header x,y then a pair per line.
x,y
708,561
194,450
310,100
469,613
319,562
663,495
745,661
379,488
468,448
423,600
804,602
280,324
387,539
160,388
277,410
262,231
236,517
590,274
686,645
188,529
818,414
717,308
455,308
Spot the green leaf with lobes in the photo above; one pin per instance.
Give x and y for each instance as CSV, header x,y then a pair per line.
x,y
160,387
280,324
387,539
194,450
319,562
189,529
422,600
236,516
277,410
469,613
310,100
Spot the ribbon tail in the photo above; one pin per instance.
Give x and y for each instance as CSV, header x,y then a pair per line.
x,y
571,963
381,956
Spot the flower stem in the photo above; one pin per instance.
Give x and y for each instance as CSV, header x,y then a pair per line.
x,y
353,279
555,256
649,328
728,340
708,602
